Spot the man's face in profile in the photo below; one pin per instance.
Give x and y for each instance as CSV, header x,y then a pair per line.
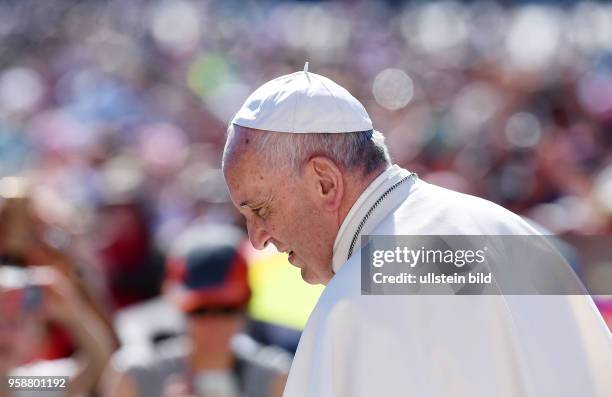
x,y
280,207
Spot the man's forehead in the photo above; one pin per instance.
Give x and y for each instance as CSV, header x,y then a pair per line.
x,y
249,180
245,173
236,150
247,185
240,139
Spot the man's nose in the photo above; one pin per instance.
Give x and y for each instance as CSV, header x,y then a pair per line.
x,y
257,234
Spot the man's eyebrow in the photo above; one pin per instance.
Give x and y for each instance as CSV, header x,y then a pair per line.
x,y
252,203
247,203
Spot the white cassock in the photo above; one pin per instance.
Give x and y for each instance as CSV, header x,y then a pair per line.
x,y
358,345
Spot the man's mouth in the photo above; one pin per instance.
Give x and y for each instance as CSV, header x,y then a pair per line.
x,y
291,257
290,253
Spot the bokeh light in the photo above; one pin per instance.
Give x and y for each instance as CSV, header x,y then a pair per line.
x,y
175,26
595,91
21,89
534,36
523,130
393,89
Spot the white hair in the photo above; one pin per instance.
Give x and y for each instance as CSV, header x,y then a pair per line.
x,y
353,151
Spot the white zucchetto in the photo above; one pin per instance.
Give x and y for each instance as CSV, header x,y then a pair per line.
x,y
303,102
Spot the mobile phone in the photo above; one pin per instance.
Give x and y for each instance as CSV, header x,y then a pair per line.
x,y
18,290
31,298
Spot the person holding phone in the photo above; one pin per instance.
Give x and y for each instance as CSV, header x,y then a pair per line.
x,y
30,297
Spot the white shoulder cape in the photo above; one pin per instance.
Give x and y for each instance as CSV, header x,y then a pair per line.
x,y
445,346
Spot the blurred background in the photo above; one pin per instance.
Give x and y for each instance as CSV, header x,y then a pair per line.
x,y
113,118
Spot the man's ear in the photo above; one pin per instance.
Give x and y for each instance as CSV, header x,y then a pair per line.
x,y
326,179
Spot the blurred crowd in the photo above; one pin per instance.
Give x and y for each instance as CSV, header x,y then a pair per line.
x,y
113,118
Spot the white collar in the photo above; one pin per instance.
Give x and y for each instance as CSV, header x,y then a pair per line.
x,y
360,209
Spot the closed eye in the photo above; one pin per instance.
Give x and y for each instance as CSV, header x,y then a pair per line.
x,y
259,212
260,209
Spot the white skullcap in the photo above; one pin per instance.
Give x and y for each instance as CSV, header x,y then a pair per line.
x,y
303,102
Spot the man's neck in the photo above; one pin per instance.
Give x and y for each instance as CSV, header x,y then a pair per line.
x,y
355,186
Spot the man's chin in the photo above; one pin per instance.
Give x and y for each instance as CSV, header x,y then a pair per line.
x,y
314,279
309,278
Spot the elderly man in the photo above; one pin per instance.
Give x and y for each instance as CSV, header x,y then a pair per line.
x,y
311,176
